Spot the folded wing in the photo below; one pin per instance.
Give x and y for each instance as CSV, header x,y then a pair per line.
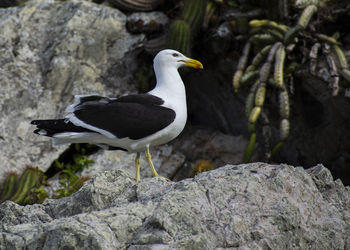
x,y
133,116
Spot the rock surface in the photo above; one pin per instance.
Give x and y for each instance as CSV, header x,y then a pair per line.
x,y
143,22
50,51
252,206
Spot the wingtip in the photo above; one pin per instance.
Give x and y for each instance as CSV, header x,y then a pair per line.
x,y
40,131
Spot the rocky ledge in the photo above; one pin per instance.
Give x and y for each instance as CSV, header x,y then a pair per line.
x,y
252,206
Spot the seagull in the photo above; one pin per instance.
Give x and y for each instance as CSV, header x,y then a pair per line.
x,y
132,123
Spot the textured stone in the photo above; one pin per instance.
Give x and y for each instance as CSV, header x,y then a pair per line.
x,y
50,51
209,144
198,144
252,206
147,22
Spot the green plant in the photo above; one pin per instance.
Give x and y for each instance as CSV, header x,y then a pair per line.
x,y
27,189
68,178
179,36
273,67
182,31
9,186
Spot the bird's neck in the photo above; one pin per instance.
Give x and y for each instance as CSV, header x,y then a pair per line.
x,y
169,83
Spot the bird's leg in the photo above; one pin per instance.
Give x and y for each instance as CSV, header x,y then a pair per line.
x,y
154,172
137,161
149,159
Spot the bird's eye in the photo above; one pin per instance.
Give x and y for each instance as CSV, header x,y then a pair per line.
x,y
175,55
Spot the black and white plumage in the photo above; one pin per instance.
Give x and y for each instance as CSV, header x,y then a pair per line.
x,y
134,122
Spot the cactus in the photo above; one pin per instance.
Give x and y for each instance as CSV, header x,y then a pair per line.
x,y
9,187
28,189
260,95
264,38
182,31
306,15
284,104
284,129
248,76
291,34
193,13
27,181
279,64
327,39
301,24
346,74
258,58
250,101
179,36
250,148
240,68
341,57
274,43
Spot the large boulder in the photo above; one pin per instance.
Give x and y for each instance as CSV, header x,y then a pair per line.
x,y
50,51
252,206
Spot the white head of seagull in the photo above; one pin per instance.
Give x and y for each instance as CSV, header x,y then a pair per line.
x,y
173,58
169,82
133,123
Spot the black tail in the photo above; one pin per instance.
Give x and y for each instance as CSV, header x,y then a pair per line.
x,y
52,127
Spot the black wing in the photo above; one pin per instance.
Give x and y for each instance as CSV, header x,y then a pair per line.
x,y
133,116
52,127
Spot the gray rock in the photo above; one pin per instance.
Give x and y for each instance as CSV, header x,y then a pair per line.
x,y
147,18
198,144
252,206
147,22
50,51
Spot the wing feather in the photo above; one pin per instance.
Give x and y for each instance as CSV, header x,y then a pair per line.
x,y
134,116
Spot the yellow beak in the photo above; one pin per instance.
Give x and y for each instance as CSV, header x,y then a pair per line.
x,y
193,63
